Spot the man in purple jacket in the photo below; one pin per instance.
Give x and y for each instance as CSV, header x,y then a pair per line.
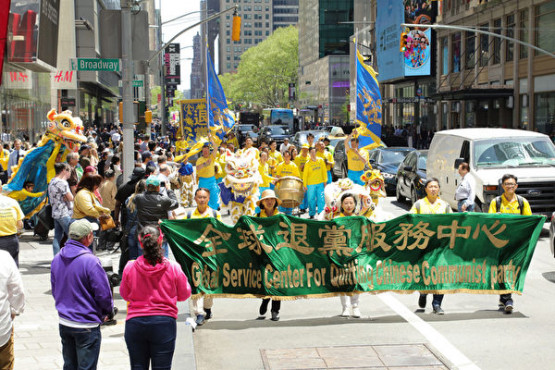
x,y
83,297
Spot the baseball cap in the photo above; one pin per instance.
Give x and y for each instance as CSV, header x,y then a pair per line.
x,y
153,180
305,146
81,228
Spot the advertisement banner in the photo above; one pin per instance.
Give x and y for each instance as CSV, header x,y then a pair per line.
x,y
172,73
193,120
4,16
286,257
390,59
417,56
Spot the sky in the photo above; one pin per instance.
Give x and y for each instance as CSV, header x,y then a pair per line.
x,y
172,9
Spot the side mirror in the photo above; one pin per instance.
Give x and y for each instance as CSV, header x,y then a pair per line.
x,y
458,162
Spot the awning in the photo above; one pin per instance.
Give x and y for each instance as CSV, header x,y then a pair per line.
x,y
474,94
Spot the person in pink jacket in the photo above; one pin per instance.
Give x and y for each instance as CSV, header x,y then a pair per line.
x,y
152,285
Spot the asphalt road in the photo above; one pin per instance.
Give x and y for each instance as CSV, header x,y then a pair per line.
x,y
471,334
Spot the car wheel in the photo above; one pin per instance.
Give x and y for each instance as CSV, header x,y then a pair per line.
x,y
398,195
413,196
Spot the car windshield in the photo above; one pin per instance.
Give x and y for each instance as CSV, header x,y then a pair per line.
x,y
391,156
278,130
514,152
422,162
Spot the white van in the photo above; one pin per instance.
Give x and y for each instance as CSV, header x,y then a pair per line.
x,y
491,153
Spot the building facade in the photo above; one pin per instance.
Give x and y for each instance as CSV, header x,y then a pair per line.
x,y
325,28
197,85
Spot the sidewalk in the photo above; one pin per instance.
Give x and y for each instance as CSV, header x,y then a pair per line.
x,y
37,341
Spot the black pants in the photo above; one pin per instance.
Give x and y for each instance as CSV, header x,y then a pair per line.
x,y
276,305
10,244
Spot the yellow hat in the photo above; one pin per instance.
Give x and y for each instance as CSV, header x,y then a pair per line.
x,y
305,146
268,194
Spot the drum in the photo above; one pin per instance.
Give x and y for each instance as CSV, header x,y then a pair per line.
x,y
289,190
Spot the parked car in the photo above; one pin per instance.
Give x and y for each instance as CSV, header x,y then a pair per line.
x,y
491,153
387,160
246,130
411,176
273,132
300,137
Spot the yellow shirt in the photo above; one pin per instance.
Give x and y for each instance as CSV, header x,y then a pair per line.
x,y
276,154
233,141
263,212
300,161
315,172
354,161
10,213
208,213
426,208
207,171
264,170
326,155
510,207
241,151
221,162
290,169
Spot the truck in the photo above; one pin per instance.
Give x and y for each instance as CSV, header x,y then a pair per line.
x,y
491,153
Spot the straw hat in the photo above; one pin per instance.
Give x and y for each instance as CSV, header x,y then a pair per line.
x,y
268,194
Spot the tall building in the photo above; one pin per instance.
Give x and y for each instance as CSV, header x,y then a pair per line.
x,y
197,85
257,23
325,27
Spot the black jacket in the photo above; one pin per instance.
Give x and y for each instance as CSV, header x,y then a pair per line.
x,y
152,207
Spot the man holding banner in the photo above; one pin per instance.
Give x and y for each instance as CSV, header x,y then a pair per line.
x,y
207,175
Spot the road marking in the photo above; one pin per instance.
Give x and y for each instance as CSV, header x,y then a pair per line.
x,y
447,350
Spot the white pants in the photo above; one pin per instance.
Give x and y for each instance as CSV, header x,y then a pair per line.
x,y
349,301
199,304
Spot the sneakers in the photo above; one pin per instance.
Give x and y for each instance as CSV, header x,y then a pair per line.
x,y
507,305
275,316
356,312
438,310
345,312
208,313
422,301
200,320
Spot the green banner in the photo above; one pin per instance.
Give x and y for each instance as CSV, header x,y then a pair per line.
x,y
286,257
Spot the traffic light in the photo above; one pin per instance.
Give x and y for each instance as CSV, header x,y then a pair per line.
x,y
236,27
148,116
121,112
403,42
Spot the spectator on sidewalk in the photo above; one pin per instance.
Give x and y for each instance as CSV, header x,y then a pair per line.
x,y
152,285
76,171
12,302
17,153
82,296
11,221
61,200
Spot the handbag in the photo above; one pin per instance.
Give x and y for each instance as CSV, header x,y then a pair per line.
x,y
45,216
106,222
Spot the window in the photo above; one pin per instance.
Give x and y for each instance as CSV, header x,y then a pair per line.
x,y
497,42
445,56
470,50
510,32
484,46
523,33
545,21
456,40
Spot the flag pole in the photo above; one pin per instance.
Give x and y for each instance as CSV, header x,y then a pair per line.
x,y
356,73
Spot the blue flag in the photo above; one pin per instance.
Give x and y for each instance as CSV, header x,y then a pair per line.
x,y
220,118
369,106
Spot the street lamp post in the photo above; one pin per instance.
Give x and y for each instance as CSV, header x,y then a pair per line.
x,y
127,90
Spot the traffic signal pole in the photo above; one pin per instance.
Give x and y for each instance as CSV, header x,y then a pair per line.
x,y
127,91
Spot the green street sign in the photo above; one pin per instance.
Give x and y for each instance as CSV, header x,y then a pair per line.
x,y
94,64
138,83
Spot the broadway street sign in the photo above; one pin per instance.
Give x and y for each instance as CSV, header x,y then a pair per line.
x,y
93,64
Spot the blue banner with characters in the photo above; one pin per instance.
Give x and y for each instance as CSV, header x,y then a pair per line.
x,y
220,118
369,105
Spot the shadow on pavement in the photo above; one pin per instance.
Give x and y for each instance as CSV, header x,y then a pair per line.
x,y
37,268
549,276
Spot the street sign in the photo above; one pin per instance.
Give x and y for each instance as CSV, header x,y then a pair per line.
x,y
94,64
68,102
138,83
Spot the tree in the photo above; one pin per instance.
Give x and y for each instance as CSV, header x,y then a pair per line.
x,y
265,71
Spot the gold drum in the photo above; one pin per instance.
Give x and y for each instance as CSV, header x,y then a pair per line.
x,y
289,190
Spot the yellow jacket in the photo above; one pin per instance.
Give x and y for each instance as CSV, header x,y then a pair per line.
x,y
86,204
315,172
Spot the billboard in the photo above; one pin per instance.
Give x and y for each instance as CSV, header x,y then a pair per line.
x,y
417,56
390,60
172,64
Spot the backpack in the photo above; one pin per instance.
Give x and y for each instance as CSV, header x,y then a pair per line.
x,y
518,198
190,213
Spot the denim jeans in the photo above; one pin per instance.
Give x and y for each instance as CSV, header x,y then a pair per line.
x,y
61,227
151,339
468,209
80,347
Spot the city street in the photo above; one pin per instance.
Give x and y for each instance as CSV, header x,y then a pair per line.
x,y
392,333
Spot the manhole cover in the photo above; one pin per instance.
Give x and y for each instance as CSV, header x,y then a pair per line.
x,y
353,357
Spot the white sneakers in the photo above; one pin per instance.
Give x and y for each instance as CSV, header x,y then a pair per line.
x,y
351,311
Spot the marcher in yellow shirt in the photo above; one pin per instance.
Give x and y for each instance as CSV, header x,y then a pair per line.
x,y
232,139
248,145
314,179
300,161
356,160
203,306
513,204
221,161
287,168
11,221
326,156
206,175
431,205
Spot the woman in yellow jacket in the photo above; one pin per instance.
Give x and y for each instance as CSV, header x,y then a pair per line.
x,y
265,173
86,205
315,176
268,204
